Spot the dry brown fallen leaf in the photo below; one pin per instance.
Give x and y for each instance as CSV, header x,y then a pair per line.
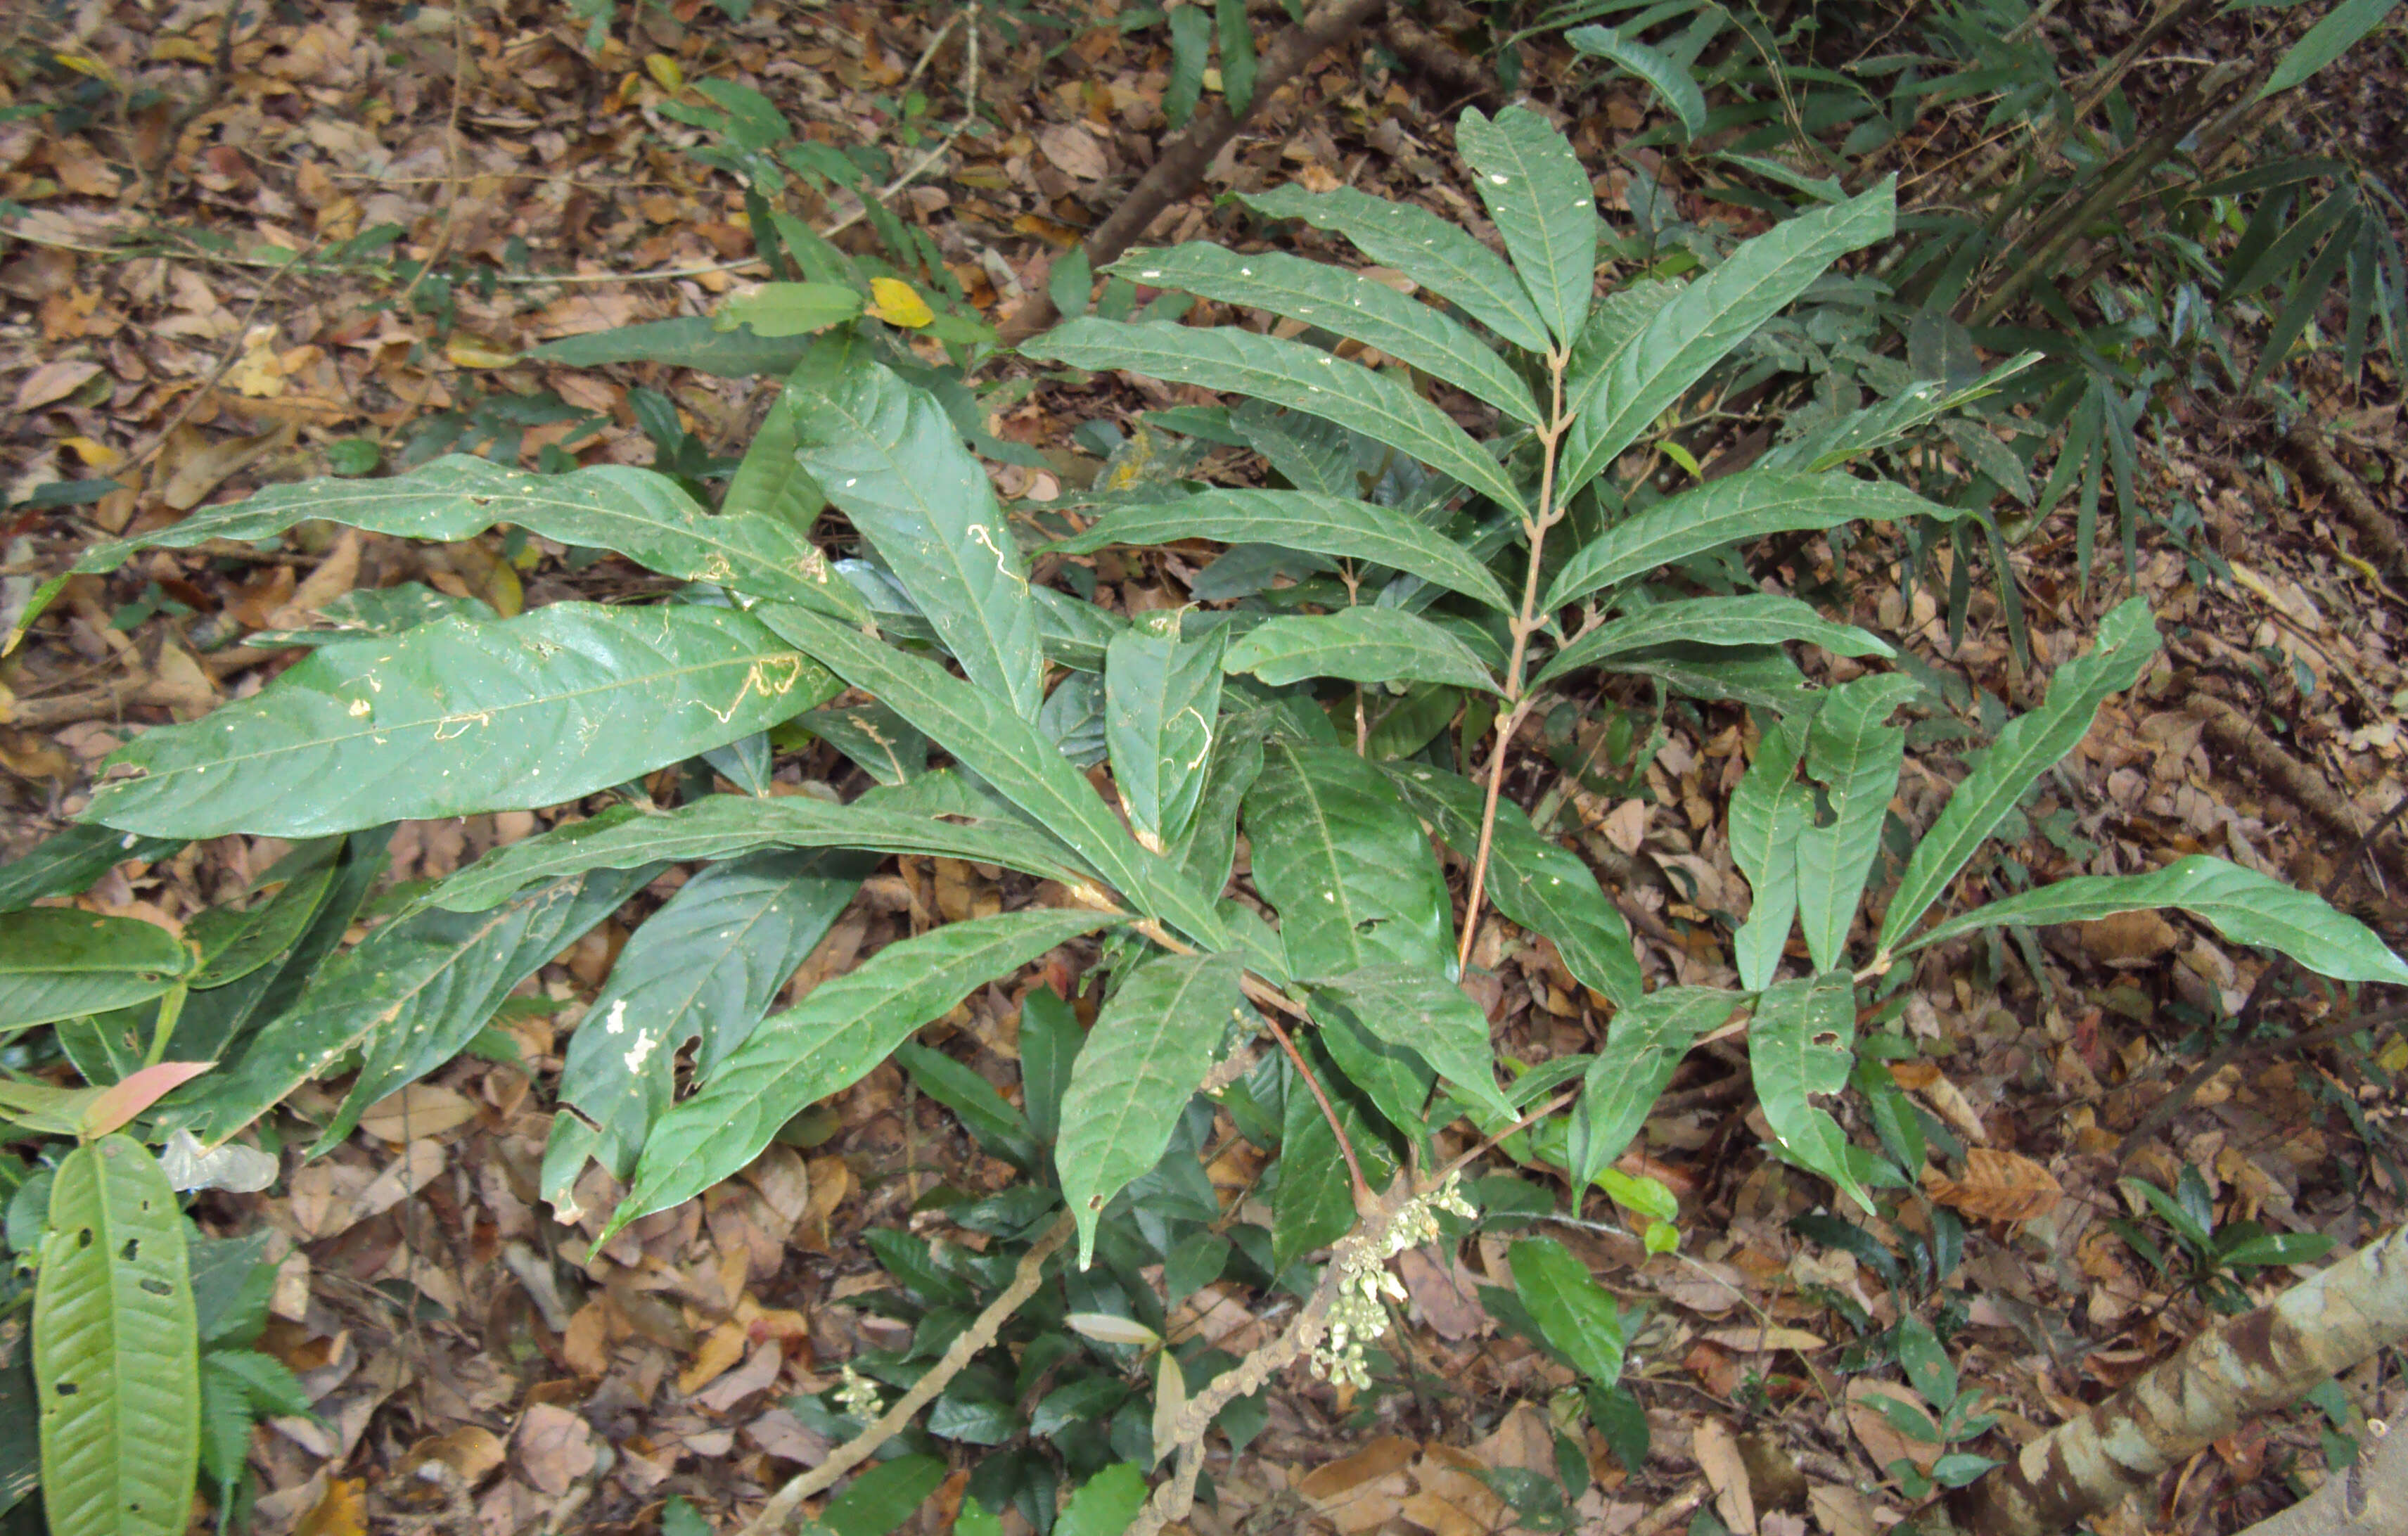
x,y
1996,1186
1717,1452
555,1447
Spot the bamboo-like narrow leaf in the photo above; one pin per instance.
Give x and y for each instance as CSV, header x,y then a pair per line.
x,y
1237,61
2025,747
1151,1047
1425,247
643,515
58,963
116,1349
1768,812
1346,865
2243,905
888,456
842,1029
1009,753
1643,1047
1545,889
1538,195
1162,699
455,717
1191,45
1287,373
1757,619
1708,319
1421,1009
2332,36
1672,82
1364,644
1300,520
1748,505
1344,303
1802,1042
1858,759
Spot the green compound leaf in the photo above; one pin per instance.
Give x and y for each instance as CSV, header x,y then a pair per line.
x,y
1162,701
1858,759
1362,645
1287,373
1301,520
59,963
832,1039
1643,1047
1425,247
1576,1314
1768,812
1538,195
1346,865
2239,903
1422,1010
1721,622
889,457
644,516
454,718
2026,748
1341,302
1152,1044
116,1349
1802,1042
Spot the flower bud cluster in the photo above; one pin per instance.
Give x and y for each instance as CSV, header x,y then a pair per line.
x,y
1364,1285
859,1397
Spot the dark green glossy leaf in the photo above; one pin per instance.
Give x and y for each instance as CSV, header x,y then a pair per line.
x,y
57,962
1643,1047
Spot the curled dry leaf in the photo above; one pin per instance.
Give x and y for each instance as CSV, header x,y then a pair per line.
x,y
1996,1186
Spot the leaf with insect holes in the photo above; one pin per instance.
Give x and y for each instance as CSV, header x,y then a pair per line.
x,y
1802,1042
1858,759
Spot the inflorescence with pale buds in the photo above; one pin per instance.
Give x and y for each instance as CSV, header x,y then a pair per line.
x,y
1359,1314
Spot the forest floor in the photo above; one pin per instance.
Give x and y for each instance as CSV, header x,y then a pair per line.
x,y
172,323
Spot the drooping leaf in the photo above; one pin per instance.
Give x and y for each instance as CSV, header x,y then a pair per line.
x,y
1287,373
1748,505
56,963
1802,1042
1858,759
1421,1009
692,342
1538,192
1423,246
1345,864
2239,903
979,1105
1365,644
1643,1047
1757,619
1300,520
233,942
70,861
771,483
116,1352
1393,1078
1575,1314
1671,81
1760,676
219,1022
1885,422
1341,302
1545,888
1152,1044
892,459
1707,321
1768,812
2025,747
643,515
842,1030
1009,753
1163,704
454,718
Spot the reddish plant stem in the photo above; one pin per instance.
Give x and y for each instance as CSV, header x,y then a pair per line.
x,y
1328,1111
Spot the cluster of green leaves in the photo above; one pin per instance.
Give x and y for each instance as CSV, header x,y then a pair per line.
x,y
1410,533
2213,1256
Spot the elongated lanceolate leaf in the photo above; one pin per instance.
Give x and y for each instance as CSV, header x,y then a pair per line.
x,y
1545,889
1150,1046
889,457
832,1039
1748,505
1709,318
2329,39
116,1349
67,861
1287,373
2239,903
693,342
643,515
1856,757
57,963
1421,1009
1672,82
1344,302
769,482
1009,753
1346,865
1363,644
1887,420
704,970
1314,1203
1643,1047
1801,1042
1301,520
1209,852
1757,619
728,825
1538,195
1576,1314
2025,747
454,718
1162,702
1425,247
1768,812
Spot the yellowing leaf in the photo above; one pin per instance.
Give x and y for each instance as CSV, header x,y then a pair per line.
x,y
181,50
899,304
472,351
96,455
84,64
665,70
